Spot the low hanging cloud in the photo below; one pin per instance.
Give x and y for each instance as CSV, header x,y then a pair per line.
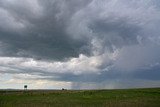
x,y
82,42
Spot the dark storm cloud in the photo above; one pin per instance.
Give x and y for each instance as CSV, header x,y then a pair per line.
x,y
81,40
44,33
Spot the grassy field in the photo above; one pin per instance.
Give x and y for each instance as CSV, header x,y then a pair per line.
x,y
81,98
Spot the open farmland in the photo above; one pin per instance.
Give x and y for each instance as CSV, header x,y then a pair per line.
x,y
81,98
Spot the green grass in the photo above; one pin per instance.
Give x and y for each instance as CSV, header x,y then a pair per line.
x,y
81,98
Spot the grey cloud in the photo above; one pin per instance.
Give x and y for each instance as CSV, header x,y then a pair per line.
x,y
48,31
132,58
44,36
118,38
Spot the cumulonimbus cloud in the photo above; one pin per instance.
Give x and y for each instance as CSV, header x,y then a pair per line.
x,y
70,40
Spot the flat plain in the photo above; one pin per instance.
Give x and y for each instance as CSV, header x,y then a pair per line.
x,y
149,97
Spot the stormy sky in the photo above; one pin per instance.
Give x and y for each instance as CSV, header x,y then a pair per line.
x,y
79,44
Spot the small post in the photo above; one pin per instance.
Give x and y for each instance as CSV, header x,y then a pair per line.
x,y
25,87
